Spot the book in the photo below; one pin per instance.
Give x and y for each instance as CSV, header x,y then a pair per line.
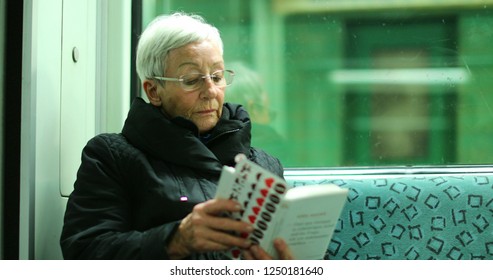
x,y
305,216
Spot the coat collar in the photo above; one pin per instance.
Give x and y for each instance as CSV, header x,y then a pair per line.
x,y
177,141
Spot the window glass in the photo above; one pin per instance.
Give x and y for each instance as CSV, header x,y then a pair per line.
x,y
358,82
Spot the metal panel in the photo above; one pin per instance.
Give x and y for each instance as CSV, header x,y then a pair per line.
x,y
62,102
77,86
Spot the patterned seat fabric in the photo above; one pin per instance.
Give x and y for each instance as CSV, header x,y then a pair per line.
x,y
446,217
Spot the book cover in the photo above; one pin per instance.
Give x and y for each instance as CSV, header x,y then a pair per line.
x,y
305,217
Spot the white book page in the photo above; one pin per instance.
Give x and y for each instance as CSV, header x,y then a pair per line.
x,y
311,214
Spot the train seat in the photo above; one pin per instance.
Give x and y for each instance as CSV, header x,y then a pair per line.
x,y
410,213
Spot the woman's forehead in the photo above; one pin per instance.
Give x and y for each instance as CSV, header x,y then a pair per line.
x,y
197,54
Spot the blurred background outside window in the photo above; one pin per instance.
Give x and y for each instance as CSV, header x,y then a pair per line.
x,y
358,82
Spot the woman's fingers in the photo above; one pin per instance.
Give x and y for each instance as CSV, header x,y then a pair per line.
x,y
247,255
210,216
219,206
206,230
256,252
283,250
229,225
205,237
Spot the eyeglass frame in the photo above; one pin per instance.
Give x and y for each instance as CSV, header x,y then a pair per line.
x,y
201,76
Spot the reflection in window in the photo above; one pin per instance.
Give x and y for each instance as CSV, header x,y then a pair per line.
x,y
394,118
359,83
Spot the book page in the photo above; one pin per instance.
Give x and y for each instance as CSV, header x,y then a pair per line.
x,y
309,219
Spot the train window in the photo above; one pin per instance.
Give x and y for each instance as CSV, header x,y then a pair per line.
x,y
359,82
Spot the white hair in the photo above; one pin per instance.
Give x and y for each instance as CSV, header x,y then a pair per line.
x,y
168,32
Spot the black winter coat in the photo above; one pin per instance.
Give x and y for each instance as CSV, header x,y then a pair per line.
x,y
129,195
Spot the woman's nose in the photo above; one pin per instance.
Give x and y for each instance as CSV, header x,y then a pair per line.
x,y
209,89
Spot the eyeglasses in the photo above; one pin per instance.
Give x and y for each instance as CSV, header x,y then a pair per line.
x,y
191,82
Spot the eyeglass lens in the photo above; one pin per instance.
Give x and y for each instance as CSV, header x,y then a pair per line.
x,y
194,81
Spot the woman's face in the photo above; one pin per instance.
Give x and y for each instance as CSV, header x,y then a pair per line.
x,y
202,106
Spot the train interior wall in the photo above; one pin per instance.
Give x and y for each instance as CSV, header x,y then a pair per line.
x,y
72,81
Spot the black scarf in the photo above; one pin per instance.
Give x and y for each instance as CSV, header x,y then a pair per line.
x,y
177,140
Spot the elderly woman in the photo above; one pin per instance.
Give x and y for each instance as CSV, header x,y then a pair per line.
x,y
147,193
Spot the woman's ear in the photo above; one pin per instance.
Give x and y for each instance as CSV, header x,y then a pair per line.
x,y
150,87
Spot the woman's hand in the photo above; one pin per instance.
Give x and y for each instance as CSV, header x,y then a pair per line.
x,y
205,230
255,252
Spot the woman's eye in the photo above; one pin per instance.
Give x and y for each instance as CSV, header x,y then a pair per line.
x,y
217,79
191,81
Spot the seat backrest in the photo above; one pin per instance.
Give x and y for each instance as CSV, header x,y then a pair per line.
x,y
410,213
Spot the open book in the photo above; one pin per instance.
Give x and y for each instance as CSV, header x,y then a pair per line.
x,y
305,217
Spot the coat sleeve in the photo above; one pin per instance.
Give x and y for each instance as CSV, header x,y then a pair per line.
x,y
97,222
267,161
